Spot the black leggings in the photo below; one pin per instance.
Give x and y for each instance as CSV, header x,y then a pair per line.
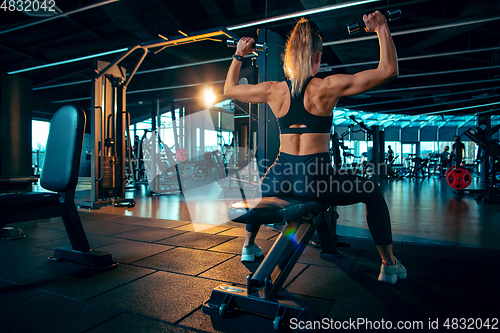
x,y
312,176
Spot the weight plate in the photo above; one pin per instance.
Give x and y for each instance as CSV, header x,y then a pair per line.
x,y
459,178
181,155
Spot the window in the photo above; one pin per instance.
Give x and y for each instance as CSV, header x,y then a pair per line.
x,y
39,136
428,147
396,147
211,143
408,151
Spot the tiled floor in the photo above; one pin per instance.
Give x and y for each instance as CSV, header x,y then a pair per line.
x,y
166,271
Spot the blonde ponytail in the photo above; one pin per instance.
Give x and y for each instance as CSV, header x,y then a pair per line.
x,y
301,47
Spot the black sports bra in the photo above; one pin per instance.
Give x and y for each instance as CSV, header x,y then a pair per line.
x,y
298,115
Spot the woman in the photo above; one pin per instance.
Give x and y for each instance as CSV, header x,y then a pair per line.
x,y
304,107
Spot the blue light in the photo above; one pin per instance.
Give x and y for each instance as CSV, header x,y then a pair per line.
x,y
301,13
67,61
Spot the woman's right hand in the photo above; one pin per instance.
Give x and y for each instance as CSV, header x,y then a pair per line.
x,y
244,46
374,21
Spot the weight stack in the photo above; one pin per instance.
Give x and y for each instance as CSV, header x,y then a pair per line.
x,y
110,172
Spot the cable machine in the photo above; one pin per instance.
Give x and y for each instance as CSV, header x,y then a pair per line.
x,y
110,138
110,121
378,137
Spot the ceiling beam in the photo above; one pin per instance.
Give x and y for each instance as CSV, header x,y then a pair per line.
x,y
434,105
432,86
340,41
417,30
445,34
482,90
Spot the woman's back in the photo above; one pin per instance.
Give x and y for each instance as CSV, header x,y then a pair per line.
x,y
302,60
318,102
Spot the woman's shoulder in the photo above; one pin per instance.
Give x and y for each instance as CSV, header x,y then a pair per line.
x,y
325,87
278,86
329,80
324,84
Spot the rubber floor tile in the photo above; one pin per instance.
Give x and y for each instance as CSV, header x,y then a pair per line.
x,y
185,261
129,251
52,313
82,282
127,323
161,295
196,240
340,285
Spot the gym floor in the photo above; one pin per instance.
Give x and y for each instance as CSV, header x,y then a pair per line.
x,y
449,245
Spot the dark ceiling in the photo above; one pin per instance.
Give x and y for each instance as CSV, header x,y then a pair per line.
x,y
449,50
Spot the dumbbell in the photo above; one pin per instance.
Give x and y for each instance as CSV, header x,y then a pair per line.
x,y
391,15
257,46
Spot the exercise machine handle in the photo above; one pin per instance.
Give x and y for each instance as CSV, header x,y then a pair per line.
x,y
391,15
257,46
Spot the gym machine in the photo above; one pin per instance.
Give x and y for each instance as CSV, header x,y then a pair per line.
x,y
335,150
377,135
109,124
459,178
110,121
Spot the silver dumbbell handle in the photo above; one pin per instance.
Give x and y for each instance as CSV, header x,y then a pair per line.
x,y
391,15
257,46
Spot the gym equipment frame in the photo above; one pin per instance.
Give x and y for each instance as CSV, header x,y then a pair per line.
x,y
263,295
59,175
110,120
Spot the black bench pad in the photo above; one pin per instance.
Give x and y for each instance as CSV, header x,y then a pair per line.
x,y
268,210
27,201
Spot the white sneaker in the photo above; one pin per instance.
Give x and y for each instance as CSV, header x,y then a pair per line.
x,y
250,252
391,273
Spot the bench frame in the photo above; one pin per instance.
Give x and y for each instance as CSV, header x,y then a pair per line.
x,y
264,295
59,175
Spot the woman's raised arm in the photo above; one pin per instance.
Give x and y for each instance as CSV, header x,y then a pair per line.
x,y
250,93
348,85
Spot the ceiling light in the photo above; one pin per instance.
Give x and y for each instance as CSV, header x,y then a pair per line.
x,y
209,97
301,13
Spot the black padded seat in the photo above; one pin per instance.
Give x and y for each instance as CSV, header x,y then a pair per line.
x,y
269,210
28,201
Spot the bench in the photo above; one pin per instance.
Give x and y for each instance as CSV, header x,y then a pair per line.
x,y
263,294
59,176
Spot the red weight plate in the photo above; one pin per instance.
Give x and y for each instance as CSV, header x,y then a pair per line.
x,y
181,154
450,169
459,178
